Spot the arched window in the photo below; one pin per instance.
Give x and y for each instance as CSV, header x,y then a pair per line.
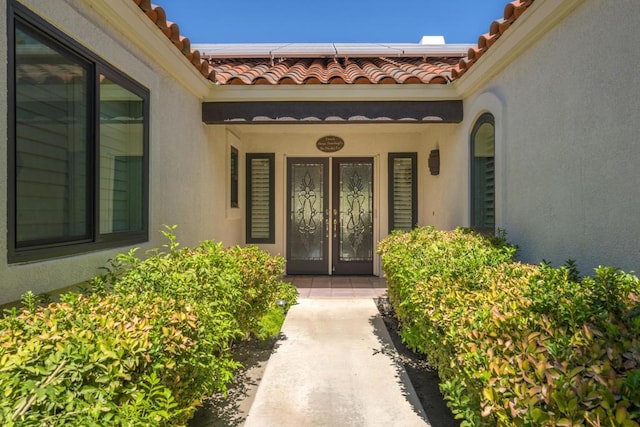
x,y
483,174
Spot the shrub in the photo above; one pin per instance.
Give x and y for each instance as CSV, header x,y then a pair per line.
x,y
517,344
238,283
151,340
260,285
96,360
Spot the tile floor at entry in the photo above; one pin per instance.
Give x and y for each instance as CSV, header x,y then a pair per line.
x,y
339,286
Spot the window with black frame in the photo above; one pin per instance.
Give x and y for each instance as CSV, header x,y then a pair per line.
x,y
403,191
483,174
78,146
234,177
260,198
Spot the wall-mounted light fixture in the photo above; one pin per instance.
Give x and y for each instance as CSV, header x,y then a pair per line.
x,y
434,162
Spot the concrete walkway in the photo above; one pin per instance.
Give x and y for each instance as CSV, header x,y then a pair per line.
x,y
335,366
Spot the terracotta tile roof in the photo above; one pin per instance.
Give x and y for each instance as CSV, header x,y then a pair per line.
x,y
303,71
512,12
373,70
170,29
322,70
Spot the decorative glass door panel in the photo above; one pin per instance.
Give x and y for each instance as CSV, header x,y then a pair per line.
x,y
308,208
353,216
324,238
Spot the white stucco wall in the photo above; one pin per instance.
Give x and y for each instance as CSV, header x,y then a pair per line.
x,y
566,149
443,200
184,163
226,222
371,140
567,140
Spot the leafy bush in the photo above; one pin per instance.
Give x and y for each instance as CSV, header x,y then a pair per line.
x,y
270,324
260,286
96,360
153,338
517,344
241,283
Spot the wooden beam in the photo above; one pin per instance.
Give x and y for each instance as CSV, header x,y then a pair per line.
x,y
332,112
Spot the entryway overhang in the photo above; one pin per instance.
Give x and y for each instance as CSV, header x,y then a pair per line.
x,y
334,112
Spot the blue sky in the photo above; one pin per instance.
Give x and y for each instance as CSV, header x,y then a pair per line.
x,y
340,21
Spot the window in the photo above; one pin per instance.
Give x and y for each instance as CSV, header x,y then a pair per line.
x,y
234,177
403,191
260,198
78,146
483,174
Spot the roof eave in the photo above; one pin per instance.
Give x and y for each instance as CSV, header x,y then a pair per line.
x,y
368,92
334,112
126,17
526,31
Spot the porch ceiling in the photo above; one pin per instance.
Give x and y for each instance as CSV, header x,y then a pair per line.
x,y
332,112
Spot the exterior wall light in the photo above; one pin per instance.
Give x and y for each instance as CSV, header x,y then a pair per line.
x,y
434,162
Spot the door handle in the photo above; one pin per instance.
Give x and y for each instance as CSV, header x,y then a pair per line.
x,y
335,227
326,216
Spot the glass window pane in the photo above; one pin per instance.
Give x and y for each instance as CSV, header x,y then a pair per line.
x,y
121,158
52,133
356,212
484,176
234,177
307,211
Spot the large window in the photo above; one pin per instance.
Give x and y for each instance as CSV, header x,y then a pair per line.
x,y
260,198
483,174
403,191
78,142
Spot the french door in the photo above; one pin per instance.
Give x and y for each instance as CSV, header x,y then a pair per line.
x,y
330,215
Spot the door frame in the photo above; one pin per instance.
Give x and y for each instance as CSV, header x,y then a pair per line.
x,y
350,267
309,267
330,248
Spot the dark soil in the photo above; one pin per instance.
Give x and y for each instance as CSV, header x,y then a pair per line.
x,y
231,410
424,378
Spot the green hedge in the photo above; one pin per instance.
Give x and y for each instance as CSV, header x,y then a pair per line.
x,y
152,339
517,344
